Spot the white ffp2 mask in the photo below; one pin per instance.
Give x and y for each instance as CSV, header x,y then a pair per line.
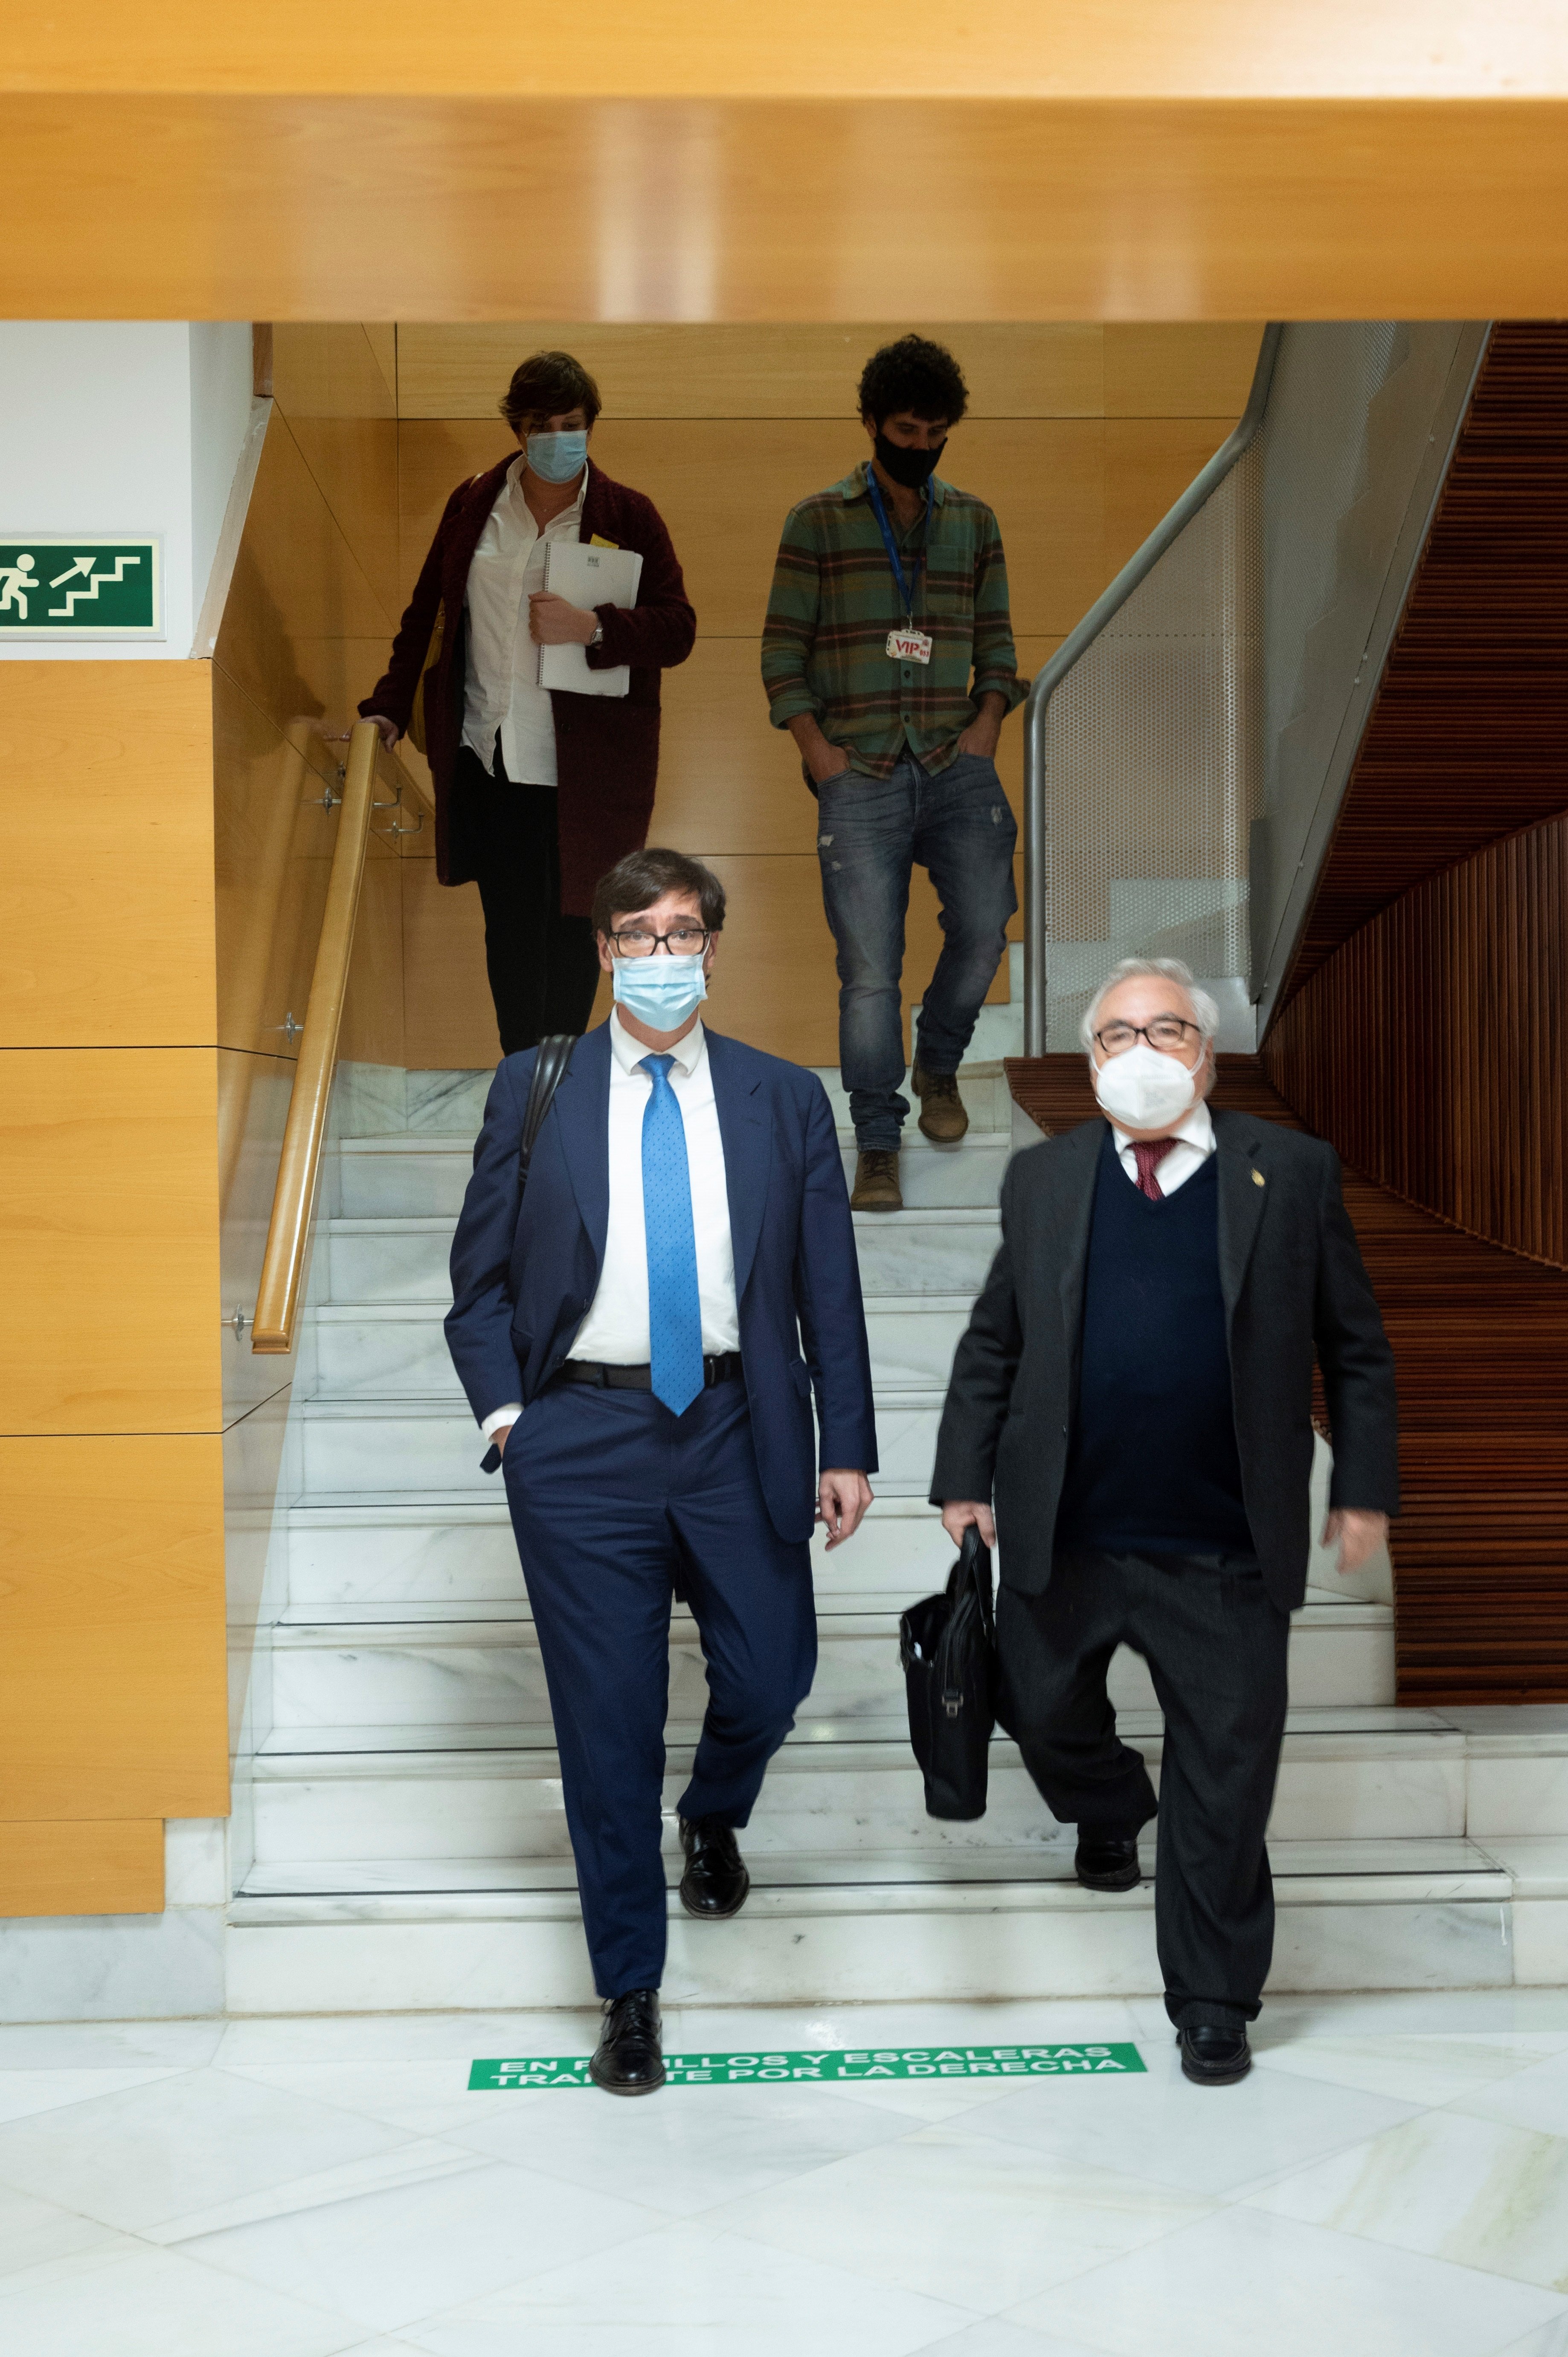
x,y
1143,1090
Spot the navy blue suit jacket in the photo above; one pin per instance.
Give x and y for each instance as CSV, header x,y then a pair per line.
x,y
521,1285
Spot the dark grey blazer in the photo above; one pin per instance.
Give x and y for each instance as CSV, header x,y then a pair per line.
x,y
1293,1283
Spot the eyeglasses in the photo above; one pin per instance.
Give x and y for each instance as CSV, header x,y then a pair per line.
x,y
1166,1031
685,940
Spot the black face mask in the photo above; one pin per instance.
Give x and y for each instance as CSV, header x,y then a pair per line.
x,y
912,470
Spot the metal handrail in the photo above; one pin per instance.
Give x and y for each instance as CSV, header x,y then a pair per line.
x,y
299,1166
1050,678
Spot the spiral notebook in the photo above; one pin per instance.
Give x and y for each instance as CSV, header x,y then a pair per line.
x,y
589,576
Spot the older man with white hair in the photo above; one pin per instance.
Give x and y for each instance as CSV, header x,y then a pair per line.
x,y
1134,1393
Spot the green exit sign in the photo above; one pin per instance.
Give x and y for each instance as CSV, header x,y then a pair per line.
x,y
53,586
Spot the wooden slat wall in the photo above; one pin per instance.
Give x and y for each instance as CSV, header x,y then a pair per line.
x,y
1423,1032
1431,1048
1480,1342
1468,739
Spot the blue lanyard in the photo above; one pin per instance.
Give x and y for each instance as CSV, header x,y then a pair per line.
x,y
905,588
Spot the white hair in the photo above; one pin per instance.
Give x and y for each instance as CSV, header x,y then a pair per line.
x,y
1164,969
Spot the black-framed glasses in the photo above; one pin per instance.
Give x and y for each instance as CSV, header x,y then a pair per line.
x,y
1166,1031
681,940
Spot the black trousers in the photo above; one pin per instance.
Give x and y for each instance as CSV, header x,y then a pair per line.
x,y
543,967
1216,1643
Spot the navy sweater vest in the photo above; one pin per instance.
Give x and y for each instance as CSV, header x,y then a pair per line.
x,y
1153,1467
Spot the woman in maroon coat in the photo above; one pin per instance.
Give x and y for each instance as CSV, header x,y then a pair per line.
x,y
538,791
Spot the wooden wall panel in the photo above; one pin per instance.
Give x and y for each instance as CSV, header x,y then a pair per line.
x,y
273,848
1171,368
1201,174
1055,369
332,386
111,1683
253,1107
106,897
448,1019
62,1868
709,49
666,372
300,595
108,1241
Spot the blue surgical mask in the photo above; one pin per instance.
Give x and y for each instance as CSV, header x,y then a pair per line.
x,y
660,990
557,457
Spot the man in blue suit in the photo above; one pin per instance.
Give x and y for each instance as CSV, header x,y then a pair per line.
x,y
640,1333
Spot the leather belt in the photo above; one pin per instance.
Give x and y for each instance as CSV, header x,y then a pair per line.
x,y
724,1367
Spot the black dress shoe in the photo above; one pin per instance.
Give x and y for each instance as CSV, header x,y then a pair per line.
x,y
628,2059
1104,1863
1214,2058
716,1881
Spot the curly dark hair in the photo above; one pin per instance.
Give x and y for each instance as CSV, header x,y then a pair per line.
x,y
640,879
545,385
913,374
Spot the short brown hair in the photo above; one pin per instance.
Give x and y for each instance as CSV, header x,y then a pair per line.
x,y
545,385
635,883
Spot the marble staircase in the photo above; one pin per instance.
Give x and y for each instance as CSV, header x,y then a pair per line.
x,y
409,1845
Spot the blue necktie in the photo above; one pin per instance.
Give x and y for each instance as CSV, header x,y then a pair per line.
x,y
674,1307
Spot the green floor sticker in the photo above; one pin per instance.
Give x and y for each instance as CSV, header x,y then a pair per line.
x,y
872,2062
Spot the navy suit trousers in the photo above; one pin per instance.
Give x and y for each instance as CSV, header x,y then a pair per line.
x,y
617,1506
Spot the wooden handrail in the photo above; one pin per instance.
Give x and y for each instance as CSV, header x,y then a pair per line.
x,y
299,1168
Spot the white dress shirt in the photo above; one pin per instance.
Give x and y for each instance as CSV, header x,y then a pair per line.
x,y
616,1330
1194,1135
501,687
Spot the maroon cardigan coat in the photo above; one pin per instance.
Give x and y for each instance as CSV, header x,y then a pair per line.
x,y
607,747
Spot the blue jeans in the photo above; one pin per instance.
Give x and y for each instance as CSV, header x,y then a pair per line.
x,y
870,834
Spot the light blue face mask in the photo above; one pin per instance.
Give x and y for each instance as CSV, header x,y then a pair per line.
x,y
660,990
558,457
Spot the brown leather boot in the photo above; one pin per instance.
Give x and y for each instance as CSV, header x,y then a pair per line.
x,y
876,1182
942,1116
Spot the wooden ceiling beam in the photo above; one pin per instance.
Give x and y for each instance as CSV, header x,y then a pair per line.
x,y
753,209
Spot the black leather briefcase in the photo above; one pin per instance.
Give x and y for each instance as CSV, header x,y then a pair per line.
x,y
948,1647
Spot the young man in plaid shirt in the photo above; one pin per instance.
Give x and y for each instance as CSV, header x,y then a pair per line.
x,y
887,653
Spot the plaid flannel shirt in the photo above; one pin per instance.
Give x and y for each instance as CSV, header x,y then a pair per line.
x,y
834,599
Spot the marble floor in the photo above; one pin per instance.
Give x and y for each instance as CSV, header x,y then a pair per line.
x,y
1391,2181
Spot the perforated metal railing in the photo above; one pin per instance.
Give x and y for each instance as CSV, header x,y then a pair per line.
x,y
1187,747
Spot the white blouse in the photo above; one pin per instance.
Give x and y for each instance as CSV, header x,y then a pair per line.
x,y
500,689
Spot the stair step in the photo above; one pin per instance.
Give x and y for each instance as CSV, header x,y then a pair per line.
x,y
432,1444
390,1550
398,1351
1431,1867
843,1784
397,1178
479,1667
825,1927
911,1251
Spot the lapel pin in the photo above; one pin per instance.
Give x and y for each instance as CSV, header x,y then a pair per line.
x,y
1258,1179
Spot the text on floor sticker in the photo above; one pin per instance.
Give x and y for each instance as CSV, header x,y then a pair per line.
x,y
869,2062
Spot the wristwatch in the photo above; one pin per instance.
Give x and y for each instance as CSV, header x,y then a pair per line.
x,y
598,637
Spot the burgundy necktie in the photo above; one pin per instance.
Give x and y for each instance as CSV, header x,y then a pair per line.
x,y
1149,1153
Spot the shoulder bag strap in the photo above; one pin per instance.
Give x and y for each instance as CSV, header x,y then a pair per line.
x,y
549,1071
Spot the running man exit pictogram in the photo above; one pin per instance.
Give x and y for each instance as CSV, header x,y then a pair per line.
x,y
54,585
